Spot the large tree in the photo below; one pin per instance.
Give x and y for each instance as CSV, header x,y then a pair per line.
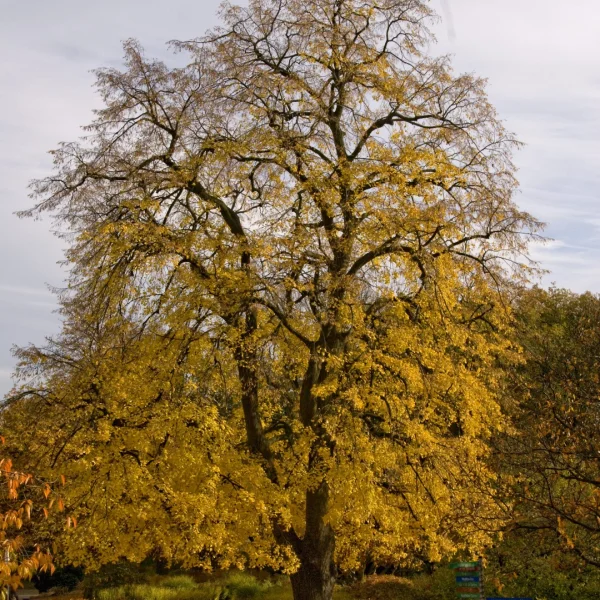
x,y
287,298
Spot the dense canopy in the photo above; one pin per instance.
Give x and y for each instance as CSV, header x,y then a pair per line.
x,y
288,297
552,454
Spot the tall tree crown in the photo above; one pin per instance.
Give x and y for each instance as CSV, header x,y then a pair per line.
x,y
288,293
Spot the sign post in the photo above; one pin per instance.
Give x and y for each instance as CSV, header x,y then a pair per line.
x,y
469,579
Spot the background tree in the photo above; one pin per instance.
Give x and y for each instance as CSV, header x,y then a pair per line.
x,y
23,502
552,456
530,563
289,266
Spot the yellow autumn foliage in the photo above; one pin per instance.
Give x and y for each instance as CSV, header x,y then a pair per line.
x,y
291,264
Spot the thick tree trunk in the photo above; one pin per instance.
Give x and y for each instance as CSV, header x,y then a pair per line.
x,y
313,581
315,578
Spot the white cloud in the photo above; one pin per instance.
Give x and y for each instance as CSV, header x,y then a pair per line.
x,y
24,291
542,63
6,381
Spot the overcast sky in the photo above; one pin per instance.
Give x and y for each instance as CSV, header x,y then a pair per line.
x,y
542,59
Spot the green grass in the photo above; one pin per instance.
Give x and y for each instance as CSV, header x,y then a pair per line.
x,y
178,582
137,592
244,586
279,591
233,586
157,592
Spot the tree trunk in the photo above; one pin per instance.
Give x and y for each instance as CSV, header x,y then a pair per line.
x,y
315,578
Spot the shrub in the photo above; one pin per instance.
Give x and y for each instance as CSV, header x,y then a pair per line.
x,y
111,594
67,577
234,586
150,592
137,592
245,586
204,592
178,582
114,575
437,586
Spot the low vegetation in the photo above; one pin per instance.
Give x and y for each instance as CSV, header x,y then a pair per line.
x,y
246,586
234,586
537,580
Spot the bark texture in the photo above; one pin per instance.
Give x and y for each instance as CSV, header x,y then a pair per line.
x,y
316,576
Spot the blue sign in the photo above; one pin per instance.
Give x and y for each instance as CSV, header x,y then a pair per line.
x,y
465,578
